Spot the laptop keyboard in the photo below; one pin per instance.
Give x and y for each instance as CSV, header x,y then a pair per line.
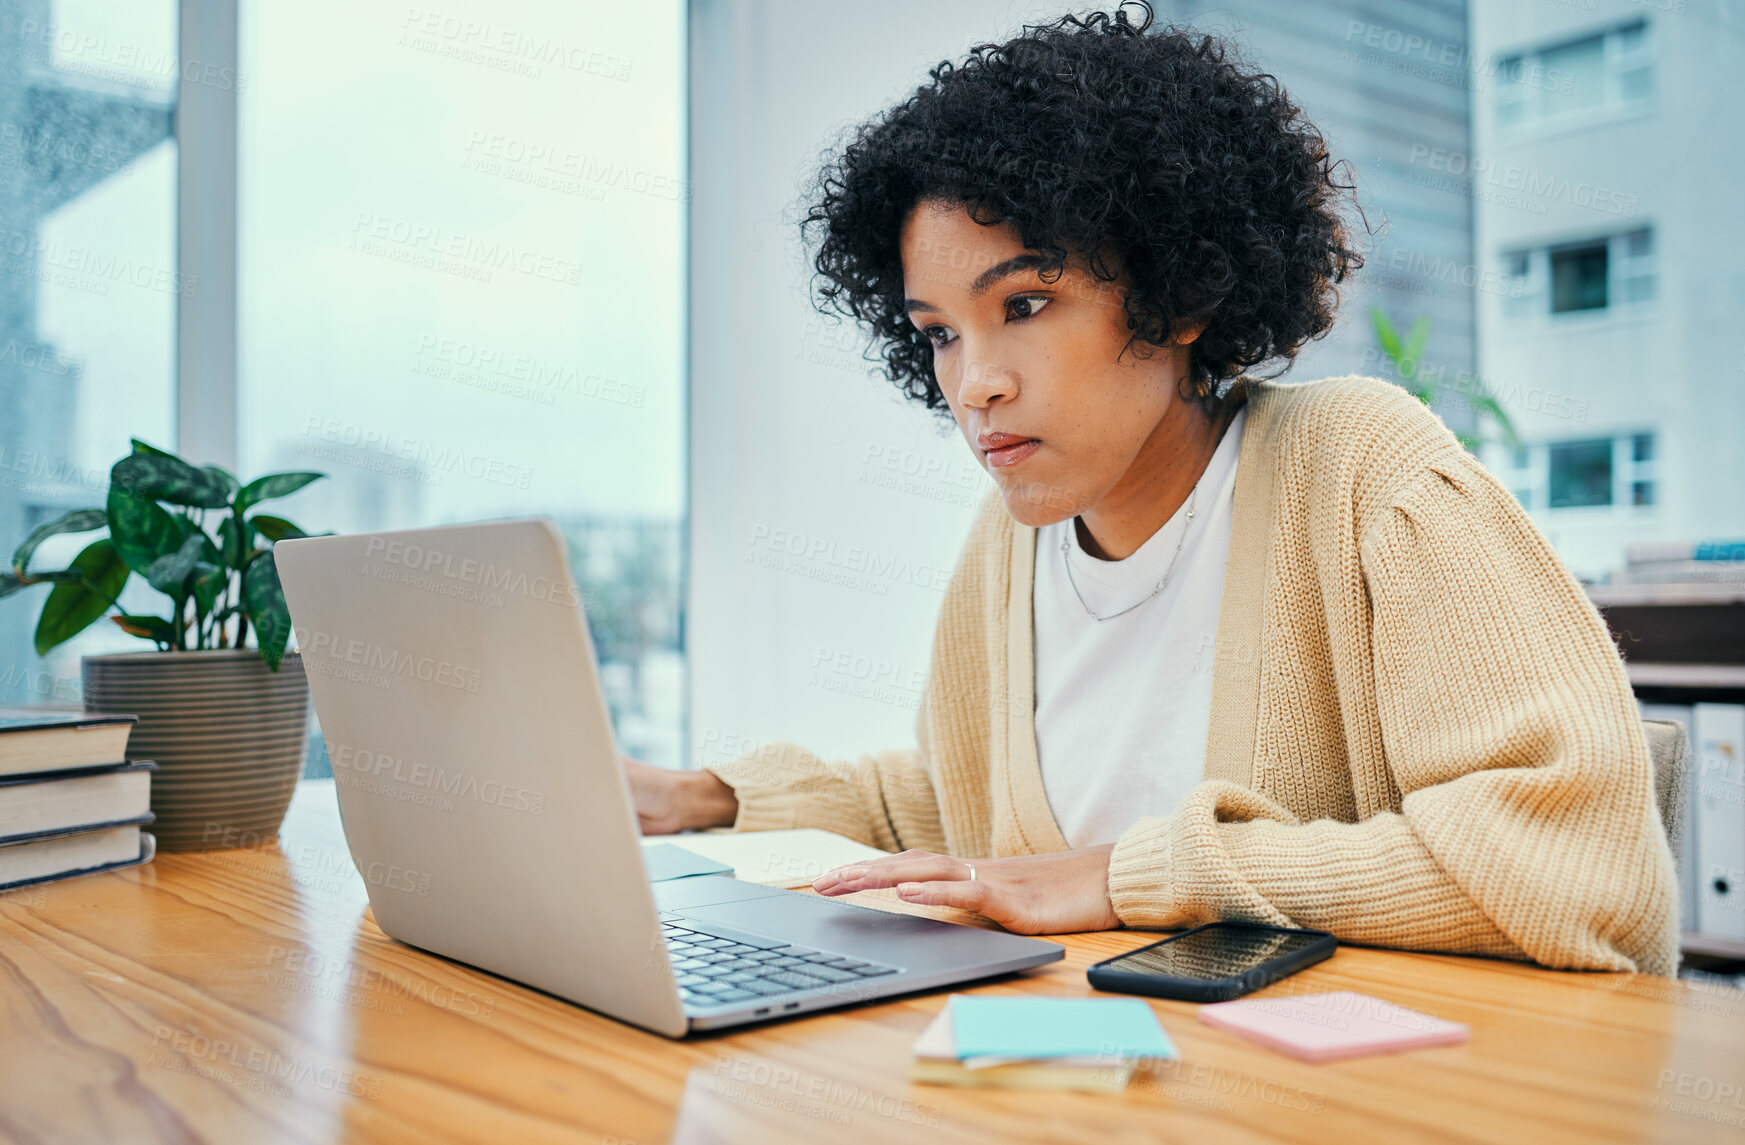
x,y
719,969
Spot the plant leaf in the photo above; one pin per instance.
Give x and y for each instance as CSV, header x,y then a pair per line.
x,y
1486,404
141,529
1384,333
141,447
263,602
235,537
161,477
208,585
224,475
150,627
169,573
78,521
276,529
186,527
73,605
1412,352
271,486
12,582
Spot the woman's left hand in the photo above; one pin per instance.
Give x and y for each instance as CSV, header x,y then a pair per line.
x,y
1062,893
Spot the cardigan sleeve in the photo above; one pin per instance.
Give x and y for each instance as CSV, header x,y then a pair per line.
x,y
884,799
1527,825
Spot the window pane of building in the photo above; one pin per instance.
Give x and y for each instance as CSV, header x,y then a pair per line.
x,y
1578,279
462,291
1580,473
1575,76
88,287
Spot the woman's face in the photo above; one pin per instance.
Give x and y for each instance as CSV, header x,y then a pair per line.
x,y
1029,368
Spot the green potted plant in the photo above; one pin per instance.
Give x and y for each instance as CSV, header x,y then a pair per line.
x,y
223,709
1407,356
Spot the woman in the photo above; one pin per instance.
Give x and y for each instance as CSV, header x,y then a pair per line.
x,y
1217,647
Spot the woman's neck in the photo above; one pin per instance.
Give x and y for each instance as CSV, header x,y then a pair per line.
x,y
1157,484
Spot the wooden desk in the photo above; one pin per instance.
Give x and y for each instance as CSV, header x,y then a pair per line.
x,y
246,996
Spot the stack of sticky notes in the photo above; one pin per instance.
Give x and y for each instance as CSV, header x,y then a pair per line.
x,y
1038,1043
1330,1027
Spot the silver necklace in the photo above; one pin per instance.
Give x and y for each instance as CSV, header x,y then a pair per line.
x,y
1066,559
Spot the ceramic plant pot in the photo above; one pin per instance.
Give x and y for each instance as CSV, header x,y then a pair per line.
x,y
228,737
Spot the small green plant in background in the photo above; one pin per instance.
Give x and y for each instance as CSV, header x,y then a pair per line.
x,y
157,515
1407,355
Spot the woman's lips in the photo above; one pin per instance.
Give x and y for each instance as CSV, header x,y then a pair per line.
x,y
1012,454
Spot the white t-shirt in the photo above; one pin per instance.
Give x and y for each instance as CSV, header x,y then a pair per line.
x,y
1122,703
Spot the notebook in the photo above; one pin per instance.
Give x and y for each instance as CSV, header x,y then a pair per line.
x,y
774,858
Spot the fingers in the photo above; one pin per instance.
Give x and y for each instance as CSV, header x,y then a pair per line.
x,y
957,892
916,866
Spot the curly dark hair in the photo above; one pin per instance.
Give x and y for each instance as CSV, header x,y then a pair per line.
x,y
1090,136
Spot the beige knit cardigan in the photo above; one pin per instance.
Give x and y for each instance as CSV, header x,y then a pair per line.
x,y
1421,734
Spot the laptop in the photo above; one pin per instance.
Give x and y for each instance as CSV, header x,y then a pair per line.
x,y
485,807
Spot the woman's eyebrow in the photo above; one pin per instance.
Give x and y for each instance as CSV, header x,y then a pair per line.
x,y
986,279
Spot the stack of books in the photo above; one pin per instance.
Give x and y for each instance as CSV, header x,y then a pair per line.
x,y
70,802
1684,562
1039,1043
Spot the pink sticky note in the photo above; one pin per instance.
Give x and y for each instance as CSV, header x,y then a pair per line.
x,y
1327,1027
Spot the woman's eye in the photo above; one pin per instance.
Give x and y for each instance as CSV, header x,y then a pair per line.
x,y
1031,304
938,335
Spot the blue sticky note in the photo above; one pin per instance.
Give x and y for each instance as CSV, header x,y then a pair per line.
x,y
987,1025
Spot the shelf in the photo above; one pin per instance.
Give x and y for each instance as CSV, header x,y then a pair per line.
x,y
1693,943
1652,675
1662,595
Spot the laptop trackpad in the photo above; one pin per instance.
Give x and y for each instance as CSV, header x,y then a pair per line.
x,y
700,890
900,940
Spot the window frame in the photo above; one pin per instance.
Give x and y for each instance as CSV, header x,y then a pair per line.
x,y
206,233
1531,305
1527,473
1619,59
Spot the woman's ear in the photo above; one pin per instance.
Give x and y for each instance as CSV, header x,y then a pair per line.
x,y
1186,332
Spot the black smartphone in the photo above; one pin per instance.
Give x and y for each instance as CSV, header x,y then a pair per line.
x,y
1213,963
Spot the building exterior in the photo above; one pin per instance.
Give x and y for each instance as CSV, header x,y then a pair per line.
x,y
1606,167
1389,87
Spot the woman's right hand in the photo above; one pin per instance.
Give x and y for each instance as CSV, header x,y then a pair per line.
x,y
668,801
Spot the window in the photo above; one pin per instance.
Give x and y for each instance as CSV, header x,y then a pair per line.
x,y
1578,278
1577,72
1610,274
461,294
1600,473
1576,81
1524,288
1635,272
88,286
1581,474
